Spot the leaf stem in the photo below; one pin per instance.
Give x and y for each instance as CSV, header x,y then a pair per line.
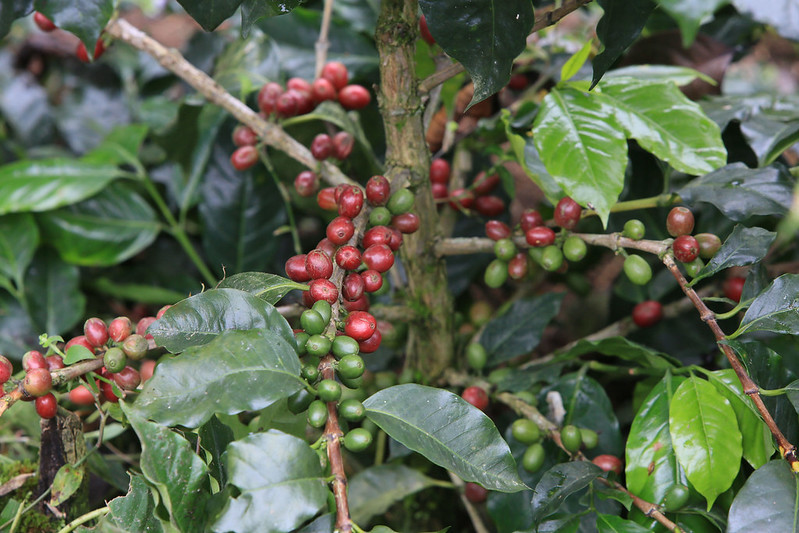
x,y
660,200
91,515
284,195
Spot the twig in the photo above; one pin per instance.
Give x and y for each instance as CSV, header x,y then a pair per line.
x,y
649,509
614,241
474,515
322,44
333,436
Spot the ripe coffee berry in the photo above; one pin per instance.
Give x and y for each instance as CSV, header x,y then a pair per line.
x,y
306,183
318,265
567,213
401,202
360,325
47,406
709,244
378,190
328,247
161,311
6,370
323,289
107,392
530,219
81,395
350,202
326,199
95,331
518,266
734,288
378,257
54,362
267,97
439,171
637,269
37,382
323,90
352,287
648,313
286,104
476,396
146,369
372,280
518,82
496,230
321,147
489,206
244,136
686,249
496,273
336,73
244,157
143,325
439,190
608,463
539,236
348,257
44,23
295,269
461,199
340,230
33,360
396,240
120,328
354,97
485,183
475,493
83,54
680,221
376,235
343,143
361,304
406,222
371,344
298,84
128,378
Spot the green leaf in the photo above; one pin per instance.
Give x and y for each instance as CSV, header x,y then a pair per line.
x,y
214,437
134,512
690,14
374,490
66,482
665,122
744,246
50,183
767,502
769,135
558,483
606,523
527,156
661,74
782,14
11,10
756,438
254,10
775,309
19,238
121,146
210,14
740,192
235,372
269,287
84,18
281,483
582,147
245,65
200,319
52,289
705,437
649,445
433,422
76,354
104,230
620,25
519,329
141,293
792,392
177,473
622,348
485,36
573,65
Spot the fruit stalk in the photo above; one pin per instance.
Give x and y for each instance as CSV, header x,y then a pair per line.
x,y
333,435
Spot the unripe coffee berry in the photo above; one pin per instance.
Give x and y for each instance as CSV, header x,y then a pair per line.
x,y
540,236
378,190
114,360
312,322
476,356
525,431
648,313
299,401
574,248
357,440
476,396
693,268
571,438
310,371
709,244
496,230
551,258
351,410
317,414
637,269
244,157
680,221
95,331
685,248
567,213
317,345
589,437
329,390
135,347
533,458
401,202
634,229
676,498
344,345
496,273
37,382
47,406
505,249
360,325
351,367
380,216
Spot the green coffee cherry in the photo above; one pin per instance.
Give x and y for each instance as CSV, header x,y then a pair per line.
x,y
552,258
533,458
574,248
310,372
694,267
634,229
476,356
318,345
527,397
676,498
114,360
323,308
589,437
505,249
496,273
351,410
329,390
357,440
637,269
344,345
301,338
380,216
526,431
354,383
571,438
299,401
312,322
317,413
400,202
350,367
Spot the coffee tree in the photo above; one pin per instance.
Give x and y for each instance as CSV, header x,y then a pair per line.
x,y
396,266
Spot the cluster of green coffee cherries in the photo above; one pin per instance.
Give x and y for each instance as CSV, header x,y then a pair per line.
x,y
527,432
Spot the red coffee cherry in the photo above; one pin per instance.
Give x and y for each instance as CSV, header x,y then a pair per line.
x,y
6,369
343,143
733,288
518,82
267,97
80,340
647,313
306,183
299,84
372,280
323,90
120,328
348,257
476,396
361,304
244,136
530,219
475,493
354,97
425,32
540,236
33,360
47,406
685,248
709,244
322,147
287,104
37,382
352,287
96,332
107,392
340,230
440,191
304,99
144,323
83,54
323,289
360,325
406,222
608,463
54,362
567,213
378,191
161,311
396,240
461,199
496,230
336,73
244,157
518,266
376,235
350,202
489,206
440,171
128,378
378,257
295,269
146,369
81,395
680,221
484,183
328,247
44,23
318,265
326,198
371,344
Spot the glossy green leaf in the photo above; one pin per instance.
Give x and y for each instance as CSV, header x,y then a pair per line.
x,y
606,523
744,246
620,25
558,483
84,18
235,372
77,353
52,290
649,445
146,294
783,15
210,14
269,287
66,482
485,36
254,10
50,183
120,146
665,122
583,148
11,10
104,230
374,490
705,437
660,74
740,192
19,238
573,65
792,392
527,156
769,135
178,474
132,513
518,330
433,422
756,438
690,14
622,348
214,438
200,319
767,502
775,309
281,483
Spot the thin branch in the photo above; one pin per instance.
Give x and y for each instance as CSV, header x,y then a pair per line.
x,y
322,44
649,509
333,435
614,241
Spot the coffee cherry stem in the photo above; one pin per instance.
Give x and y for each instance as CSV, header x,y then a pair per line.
x,y
285,196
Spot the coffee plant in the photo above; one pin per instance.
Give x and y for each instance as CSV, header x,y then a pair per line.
x,y
341,265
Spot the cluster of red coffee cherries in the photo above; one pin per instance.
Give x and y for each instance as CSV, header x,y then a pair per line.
x,y
47,25
476,197
300,97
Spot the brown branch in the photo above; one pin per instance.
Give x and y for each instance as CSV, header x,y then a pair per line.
x,y
270,134
333,435
649,509
614,241
545,18
322,44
